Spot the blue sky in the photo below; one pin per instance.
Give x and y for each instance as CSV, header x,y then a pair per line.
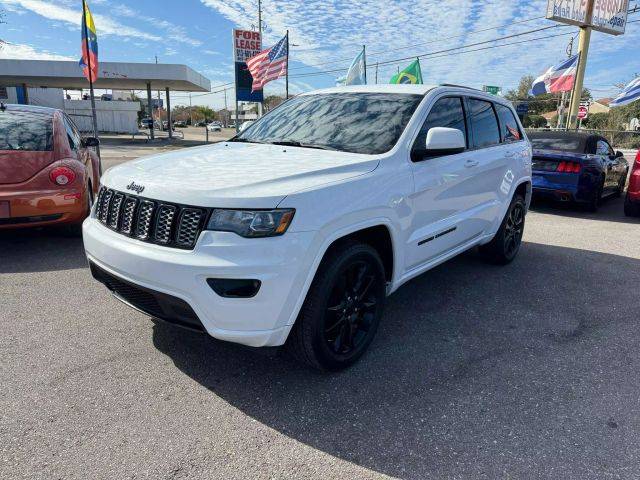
x,y
328,34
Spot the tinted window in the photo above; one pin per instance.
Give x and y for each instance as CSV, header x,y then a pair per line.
x,y
508,124
350,122
25,131
484,124
564,144
446,112
72,133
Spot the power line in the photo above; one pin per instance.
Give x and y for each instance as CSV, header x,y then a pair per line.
x,y
404,47
452,51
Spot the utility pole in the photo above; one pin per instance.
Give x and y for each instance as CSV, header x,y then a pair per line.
x,y
190,111
563,100
287,78
583,49
364,60
376,73
260,104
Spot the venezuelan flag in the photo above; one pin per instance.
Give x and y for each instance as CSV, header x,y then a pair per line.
x,y
89,57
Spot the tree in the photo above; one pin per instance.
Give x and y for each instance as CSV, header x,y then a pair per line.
x,y
272,101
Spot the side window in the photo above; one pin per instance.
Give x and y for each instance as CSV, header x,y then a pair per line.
x,y
446,112
602,148
72,133
509,129
484,124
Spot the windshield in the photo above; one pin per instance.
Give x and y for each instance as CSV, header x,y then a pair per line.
x,y
368,123
563,144
26,131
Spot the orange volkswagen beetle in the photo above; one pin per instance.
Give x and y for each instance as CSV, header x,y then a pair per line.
x,y
48,175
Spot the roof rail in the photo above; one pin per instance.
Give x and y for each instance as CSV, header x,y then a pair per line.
x,y
458,86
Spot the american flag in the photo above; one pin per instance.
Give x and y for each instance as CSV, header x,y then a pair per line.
x,y
269,64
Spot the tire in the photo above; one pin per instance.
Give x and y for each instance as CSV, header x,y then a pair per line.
x,y
335,327
631,209
621,184
593,205
506,244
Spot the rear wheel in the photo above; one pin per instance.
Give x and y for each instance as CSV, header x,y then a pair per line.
x,y
341,313
596,199
621,184
75,229
506,244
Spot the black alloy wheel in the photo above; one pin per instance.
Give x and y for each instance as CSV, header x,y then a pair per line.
x,y
352,307
342,310
514,229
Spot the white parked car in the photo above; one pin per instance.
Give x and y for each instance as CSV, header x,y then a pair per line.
x,y
214,127
296,230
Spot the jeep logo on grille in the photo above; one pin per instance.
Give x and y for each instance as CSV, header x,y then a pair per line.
x,y
136,188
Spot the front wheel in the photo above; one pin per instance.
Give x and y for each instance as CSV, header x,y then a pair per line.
x,y
506,244
341,313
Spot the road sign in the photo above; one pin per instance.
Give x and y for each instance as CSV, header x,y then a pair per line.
x,y
246,44
608,16
583,112
491,89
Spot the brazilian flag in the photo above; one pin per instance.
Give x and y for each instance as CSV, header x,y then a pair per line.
x,y
411,74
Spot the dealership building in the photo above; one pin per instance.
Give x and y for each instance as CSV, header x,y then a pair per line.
x,y
44,83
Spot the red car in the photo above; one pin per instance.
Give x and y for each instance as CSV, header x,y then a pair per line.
x,y
48,175
632,200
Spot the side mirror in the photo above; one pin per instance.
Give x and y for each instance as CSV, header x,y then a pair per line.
x,y
444,141
90,142
619,154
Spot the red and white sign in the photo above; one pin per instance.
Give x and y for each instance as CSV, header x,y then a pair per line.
x,y
246,44
583,112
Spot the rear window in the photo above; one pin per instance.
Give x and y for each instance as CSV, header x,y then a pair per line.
x,y
508,124
562,144
25,131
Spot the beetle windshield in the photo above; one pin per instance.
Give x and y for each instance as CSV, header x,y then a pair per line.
x,y
27,131
369,123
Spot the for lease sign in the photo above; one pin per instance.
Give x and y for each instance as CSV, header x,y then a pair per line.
x,y
246,44
608,16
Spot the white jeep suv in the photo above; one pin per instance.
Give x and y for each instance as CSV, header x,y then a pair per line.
x,y
295,231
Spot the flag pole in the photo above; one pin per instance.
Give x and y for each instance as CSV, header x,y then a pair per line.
x,y
364,60
287,77
93,100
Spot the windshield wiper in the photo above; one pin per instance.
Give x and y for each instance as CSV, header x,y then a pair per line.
x,y
295,143
244,140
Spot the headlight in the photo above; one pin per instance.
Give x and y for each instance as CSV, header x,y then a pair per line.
x,y
251,223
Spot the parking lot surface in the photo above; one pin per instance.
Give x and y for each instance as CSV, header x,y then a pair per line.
x,y
478,371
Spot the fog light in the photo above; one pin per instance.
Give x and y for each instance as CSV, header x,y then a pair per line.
x,y
234,288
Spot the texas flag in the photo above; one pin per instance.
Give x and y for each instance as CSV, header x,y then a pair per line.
x,y
559,78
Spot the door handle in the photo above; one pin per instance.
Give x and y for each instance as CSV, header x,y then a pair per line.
x,y
471,163
510,154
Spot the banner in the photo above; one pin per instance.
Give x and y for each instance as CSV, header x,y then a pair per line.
x,y
246,44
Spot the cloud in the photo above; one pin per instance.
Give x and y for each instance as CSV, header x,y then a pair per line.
x,y
70,16
331,33
27,52
174,32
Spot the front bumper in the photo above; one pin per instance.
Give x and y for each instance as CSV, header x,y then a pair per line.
x,y
281,264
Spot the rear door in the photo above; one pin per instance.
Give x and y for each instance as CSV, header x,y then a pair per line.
x,y
445,195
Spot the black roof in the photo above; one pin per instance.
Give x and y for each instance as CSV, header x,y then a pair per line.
x,y
583,136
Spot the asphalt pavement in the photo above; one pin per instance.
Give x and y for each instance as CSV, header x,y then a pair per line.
x,y
478,371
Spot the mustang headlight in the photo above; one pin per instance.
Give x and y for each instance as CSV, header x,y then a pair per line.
x,y
251,223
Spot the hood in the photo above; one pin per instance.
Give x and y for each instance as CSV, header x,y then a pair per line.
x,y
238,175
